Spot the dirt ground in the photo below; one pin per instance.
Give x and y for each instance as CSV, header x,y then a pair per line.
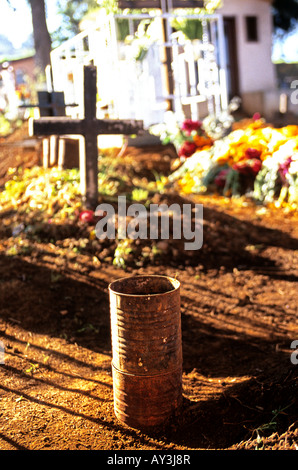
x,y
239,319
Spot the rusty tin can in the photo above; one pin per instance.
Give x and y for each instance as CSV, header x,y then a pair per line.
x,y
146,349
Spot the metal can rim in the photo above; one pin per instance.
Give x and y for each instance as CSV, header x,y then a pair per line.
x,y
175,284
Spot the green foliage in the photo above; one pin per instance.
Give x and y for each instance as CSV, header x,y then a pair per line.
x,y
139,194
285,14
270,426
122,252
191,28
5,126
72,13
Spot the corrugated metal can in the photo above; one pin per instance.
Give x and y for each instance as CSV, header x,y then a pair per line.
x,y
146,349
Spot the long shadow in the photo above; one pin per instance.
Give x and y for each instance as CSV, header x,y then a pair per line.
x,y
253,232
231,242
110,424
35,303
57,354
225,241
219,351
216,357
260,406
51,383
12,442
229,237
63,307
235,387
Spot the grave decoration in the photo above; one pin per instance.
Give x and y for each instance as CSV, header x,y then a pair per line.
x,y
254,159
89,127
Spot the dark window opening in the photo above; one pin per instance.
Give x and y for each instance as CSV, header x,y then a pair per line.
x,y
251,28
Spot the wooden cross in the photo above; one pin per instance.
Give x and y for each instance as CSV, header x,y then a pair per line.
x,y
89,127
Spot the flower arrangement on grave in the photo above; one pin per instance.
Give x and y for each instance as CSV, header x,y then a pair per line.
x,y
255,159
187,137
191,135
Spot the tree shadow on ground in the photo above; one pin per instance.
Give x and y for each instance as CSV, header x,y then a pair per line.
x,y
232,380
228,241
234,242
45,301
236,387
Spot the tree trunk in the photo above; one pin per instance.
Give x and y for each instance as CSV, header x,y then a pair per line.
x,y
42,39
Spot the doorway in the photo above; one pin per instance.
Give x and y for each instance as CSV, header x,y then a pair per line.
x,y
231,56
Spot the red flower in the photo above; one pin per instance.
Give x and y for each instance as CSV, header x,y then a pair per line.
x,y
220,179
189,125
256,165
253,153
187,149
284,168
248,167
87,216
256,116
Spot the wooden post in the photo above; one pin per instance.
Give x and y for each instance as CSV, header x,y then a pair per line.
x,y
91,148
50,104
89,127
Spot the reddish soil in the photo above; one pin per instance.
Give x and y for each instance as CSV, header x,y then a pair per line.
x,y
239,318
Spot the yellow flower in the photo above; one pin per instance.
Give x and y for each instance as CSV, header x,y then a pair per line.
x,y
186,183
290,131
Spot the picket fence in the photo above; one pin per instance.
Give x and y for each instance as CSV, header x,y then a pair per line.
x,y
132,76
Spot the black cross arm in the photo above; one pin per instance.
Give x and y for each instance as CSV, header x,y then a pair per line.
x,y
56,126
114,126
64,125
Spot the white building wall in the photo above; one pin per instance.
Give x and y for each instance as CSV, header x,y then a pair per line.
x,y
256,70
